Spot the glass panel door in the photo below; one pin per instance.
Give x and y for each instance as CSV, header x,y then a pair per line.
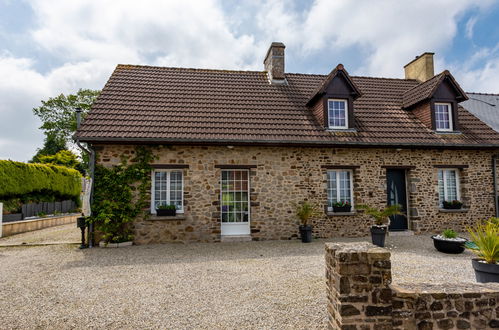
x,y
235,202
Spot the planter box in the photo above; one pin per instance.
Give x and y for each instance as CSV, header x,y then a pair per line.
x,y
484,272
448,246
166,213
342,209
12,217
452,206
115,245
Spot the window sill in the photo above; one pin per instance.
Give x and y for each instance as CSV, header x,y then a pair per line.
x,y
340,214
448,132
334,130
154,217
453,210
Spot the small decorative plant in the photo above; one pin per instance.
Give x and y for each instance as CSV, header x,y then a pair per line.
x,y
381,216
166,207
305,211
486,241
342,206
167,210
453,205
449,233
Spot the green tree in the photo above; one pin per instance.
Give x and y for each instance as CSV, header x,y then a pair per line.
x,y
58,113
51,146
64,158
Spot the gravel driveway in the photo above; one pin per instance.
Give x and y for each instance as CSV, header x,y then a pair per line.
x,y
275,284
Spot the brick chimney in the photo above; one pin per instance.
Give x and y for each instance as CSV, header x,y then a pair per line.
x,y
421,68
274,63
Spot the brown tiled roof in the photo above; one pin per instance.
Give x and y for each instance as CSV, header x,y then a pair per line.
x,y
171,105
425,90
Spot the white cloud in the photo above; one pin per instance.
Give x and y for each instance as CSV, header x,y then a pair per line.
x,y
470,25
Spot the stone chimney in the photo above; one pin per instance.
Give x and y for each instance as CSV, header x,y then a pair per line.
x,y
274,63
420,68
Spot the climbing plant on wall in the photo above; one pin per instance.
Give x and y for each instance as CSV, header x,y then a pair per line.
x,y
121,194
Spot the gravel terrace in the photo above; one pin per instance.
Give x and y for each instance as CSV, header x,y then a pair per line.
x,y
274,284
64,233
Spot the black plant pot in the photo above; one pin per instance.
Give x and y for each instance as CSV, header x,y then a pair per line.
x,y
485,273
306,233
342,208
378,235
452,206
447,246
166,213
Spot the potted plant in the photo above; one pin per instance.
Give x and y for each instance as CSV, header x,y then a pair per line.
x,y
166,210
342,206
381,221
485,244
449,242
452,205
305,211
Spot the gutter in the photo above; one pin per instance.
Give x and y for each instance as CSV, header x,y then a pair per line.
x,y
323,144
494,173
91,152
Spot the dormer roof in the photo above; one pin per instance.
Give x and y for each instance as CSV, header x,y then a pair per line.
x,y
427,89
339,70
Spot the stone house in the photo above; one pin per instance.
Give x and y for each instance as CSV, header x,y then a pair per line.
x,y
236,150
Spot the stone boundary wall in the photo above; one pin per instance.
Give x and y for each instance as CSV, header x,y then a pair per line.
x,y
361,296
17,227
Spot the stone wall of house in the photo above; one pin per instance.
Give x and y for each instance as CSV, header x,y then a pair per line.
x,y
285,176
360,296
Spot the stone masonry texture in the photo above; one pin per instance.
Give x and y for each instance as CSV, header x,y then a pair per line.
x,y
361,296
286,176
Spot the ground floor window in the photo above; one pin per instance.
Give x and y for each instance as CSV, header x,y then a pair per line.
x,y
339,187
235,196
167,189
448,185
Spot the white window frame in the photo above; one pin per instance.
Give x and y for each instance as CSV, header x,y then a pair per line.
x,y
451,120
329,114
153,179
248,192
330,209
444,179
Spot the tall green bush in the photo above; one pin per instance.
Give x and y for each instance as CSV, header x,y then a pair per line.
x,y
20,179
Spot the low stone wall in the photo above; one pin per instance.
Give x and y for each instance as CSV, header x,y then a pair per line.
x,y
360,296
17,227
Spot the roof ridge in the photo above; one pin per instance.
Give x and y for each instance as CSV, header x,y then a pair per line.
x,y
478,93
183,68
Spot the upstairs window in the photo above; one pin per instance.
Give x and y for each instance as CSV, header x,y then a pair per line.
x,y
443,117
337,113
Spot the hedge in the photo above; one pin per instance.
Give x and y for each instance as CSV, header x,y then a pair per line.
x,y
18,179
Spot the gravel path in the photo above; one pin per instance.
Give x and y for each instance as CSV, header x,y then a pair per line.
x,y
63,233
276,284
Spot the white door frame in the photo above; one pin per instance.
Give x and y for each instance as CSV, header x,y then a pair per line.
x,y
235,228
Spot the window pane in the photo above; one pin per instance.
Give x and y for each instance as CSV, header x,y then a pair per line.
x,y
234,204
337,113
332,194
451,185
442,116
441,193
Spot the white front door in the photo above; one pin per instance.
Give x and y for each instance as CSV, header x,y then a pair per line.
x,y
234,200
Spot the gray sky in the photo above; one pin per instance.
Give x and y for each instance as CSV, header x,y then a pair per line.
x,y
53,47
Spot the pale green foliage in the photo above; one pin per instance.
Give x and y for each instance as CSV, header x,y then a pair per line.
x,y
449,233
486,238
305,211
64,158
381,216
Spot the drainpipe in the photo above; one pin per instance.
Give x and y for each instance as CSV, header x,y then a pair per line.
x,y
494,173
91,152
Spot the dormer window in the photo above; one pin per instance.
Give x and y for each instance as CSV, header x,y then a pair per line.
x,y
337,113
443,117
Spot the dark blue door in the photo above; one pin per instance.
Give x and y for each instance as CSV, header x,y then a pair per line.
x,y
396,191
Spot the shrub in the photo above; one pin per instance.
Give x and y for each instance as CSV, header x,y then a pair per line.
x,y
381,216
305,211
21,179
486,241
449,233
